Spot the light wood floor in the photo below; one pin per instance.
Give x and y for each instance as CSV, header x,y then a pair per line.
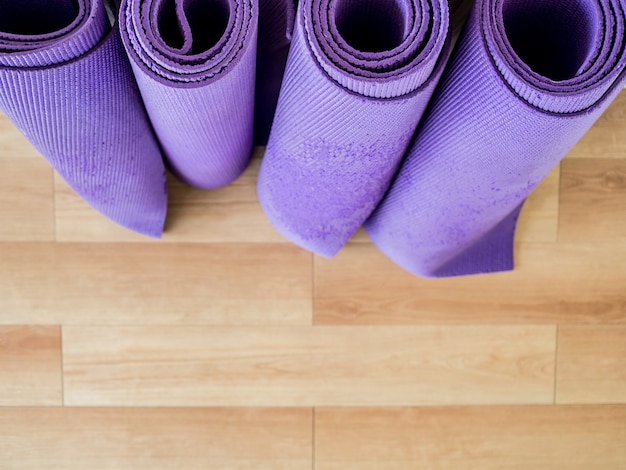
x,y
224,347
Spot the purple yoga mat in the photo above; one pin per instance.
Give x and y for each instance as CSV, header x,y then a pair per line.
x,y
276,19
194,61
358,77
66,84
526,81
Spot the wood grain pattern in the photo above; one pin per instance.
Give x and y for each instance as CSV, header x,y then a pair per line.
x,y
323,366
30,366
593,200
607,138
99,284
12,143
229,214
591,365
361,286
485,438
186,439
26,200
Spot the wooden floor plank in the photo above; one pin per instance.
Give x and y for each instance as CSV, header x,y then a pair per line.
x,y
12,143
593,201
143,284
30,366
26,200
229,214
485,438
186,439
591,364
606,139
304,366
552,283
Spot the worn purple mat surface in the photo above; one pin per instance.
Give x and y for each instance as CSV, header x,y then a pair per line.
x,y
358,77
66,84
194,62
527,80
276,19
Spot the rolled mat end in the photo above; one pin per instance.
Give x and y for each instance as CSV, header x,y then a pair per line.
x,y
358,78
195,66
527,80
66,84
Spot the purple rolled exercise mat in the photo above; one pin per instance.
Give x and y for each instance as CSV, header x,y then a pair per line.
x,y
276,19
526,81
358,77
65,82
194,61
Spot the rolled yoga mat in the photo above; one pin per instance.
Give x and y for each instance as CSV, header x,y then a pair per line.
x,y
194,61
276,19
526,81
358,77
65,82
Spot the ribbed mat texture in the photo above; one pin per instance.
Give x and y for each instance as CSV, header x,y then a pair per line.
x,y
526,81
195,62
358,77
276,18
65,82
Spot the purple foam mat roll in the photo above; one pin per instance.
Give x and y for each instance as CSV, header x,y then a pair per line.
x,y
194,61
276,19
526,81
65,82
358,77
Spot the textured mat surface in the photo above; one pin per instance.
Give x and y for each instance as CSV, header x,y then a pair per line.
x,y
526,81
195,65
358,77
65,82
